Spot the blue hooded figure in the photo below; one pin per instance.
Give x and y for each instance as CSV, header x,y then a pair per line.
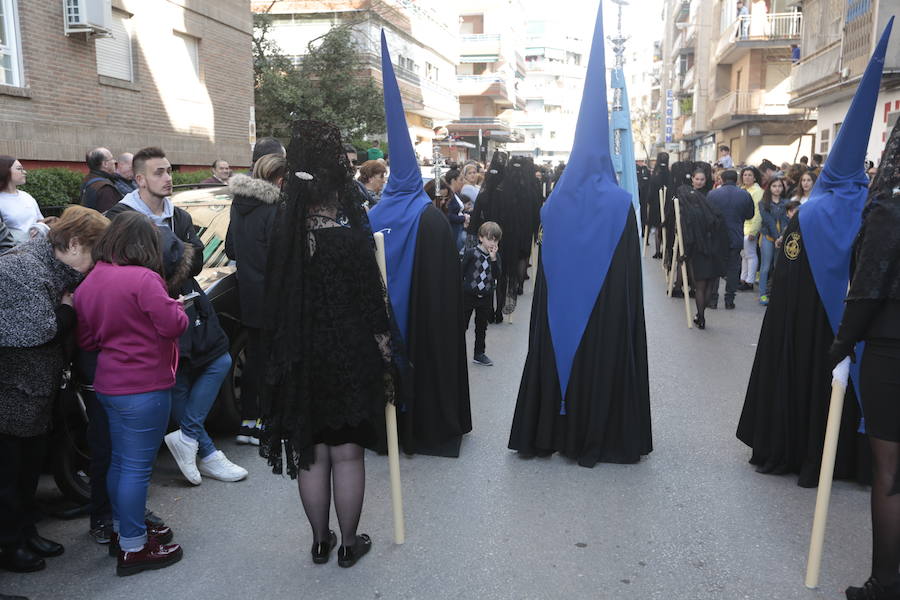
x,y
786,406
425,289
584,391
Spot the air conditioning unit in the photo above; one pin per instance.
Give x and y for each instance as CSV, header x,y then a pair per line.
x,y
93,17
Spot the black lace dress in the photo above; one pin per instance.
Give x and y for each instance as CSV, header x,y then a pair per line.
x,y
335,389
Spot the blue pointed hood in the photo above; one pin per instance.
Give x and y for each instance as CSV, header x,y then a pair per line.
x,y
403,199
624,163
831,218
583,219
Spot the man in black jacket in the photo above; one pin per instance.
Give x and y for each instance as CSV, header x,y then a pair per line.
x,y
736,206
153,175
98,190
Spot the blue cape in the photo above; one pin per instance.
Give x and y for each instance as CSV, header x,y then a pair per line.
x,y
583,219
402,201
831,218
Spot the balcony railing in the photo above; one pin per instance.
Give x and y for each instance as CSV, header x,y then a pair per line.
x,y
777,26
748,31
683,12
480,44
756,102
687,83
677,43
823,66
479,37
491,85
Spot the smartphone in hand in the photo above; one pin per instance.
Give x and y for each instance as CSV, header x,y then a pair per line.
x,y
188,299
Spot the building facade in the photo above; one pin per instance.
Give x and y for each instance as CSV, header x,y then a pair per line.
x,y
726,80
170,73
838,38
751,74
555,67
490,73
422,39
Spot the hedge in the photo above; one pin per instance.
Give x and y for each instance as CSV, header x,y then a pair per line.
x,y
55,186
190,177
58,186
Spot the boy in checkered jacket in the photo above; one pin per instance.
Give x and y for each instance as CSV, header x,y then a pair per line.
x,y
481,270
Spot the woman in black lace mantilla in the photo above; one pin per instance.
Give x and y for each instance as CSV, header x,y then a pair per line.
x,y
328,374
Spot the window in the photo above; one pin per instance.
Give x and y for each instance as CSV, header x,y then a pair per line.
x,y
824,138
114,54
431,72
10,53
191,47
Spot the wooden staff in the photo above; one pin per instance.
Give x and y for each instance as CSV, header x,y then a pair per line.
x,y
672,276
826,475
390,417
684,278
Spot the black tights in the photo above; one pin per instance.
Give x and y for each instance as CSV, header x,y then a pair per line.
x,y
885,511
703,288
343,468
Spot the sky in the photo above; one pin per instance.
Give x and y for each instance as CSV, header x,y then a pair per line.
x,y
640,19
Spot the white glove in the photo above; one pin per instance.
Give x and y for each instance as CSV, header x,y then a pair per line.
x,y
841,372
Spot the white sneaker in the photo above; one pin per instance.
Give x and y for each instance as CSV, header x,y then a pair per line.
x,y
184,450
219,467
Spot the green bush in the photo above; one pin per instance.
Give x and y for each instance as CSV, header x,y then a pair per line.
x,y
189,177
55,186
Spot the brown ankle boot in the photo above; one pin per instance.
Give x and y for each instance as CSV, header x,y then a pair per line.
x,y
152,556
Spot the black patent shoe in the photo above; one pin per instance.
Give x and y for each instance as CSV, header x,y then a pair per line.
x,y
20,560
348,555
700,323
43,547
321,551
874,590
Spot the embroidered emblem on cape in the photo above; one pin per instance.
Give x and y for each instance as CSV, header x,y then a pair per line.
x,y
792,246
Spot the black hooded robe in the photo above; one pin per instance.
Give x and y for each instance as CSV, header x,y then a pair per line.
x,y
439,414
786,406
608,397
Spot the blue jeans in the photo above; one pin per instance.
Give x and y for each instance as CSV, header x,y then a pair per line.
x,y
193,397
137,423
767,252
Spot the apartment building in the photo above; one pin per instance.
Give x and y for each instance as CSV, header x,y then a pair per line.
x,y
837,40
750,82
422,39
684,84
555,67
490,73
125,74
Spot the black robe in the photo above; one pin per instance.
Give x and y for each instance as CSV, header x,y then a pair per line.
x,y
786,407
439,415
643,178
608,397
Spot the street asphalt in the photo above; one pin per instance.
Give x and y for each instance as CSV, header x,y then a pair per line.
x,y
692,521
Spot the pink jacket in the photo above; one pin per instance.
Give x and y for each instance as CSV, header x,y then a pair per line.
x,y
126,314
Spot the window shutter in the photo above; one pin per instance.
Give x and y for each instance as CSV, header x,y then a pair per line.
x,y
114,53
